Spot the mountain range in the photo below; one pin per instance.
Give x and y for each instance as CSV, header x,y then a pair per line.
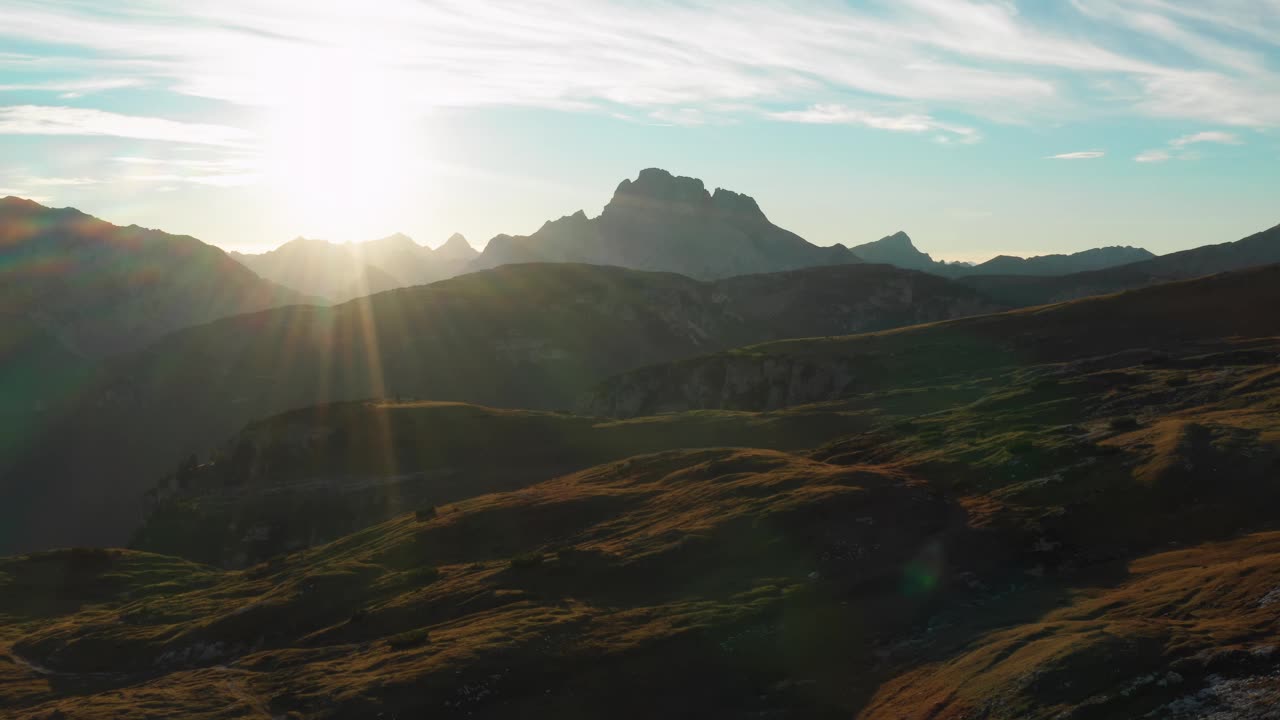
x,y
659,222
342,271
1258,249
899,250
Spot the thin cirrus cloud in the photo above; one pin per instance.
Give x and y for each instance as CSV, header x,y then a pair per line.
x,y
910,123
58,120
1223,138
1000,61
69,89
1079,155
1177,146
1153,156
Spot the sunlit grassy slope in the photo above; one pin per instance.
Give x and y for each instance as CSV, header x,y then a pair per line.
x,y
312,475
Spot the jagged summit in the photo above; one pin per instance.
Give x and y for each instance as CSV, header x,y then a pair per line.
x,y
658,185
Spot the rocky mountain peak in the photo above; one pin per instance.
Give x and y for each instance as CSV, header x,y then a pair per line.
x,y
654,186
900,240
732,203
456,246
896,249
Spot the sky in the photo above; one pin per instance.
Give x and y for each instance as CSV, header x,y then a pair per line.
x,y
979,127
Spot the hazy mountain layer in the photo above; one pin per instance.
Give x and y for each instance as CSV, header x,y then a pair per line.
x,y
342,271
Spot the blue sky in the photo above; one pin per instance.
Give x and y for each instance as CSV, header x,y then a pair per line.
x,y
979,127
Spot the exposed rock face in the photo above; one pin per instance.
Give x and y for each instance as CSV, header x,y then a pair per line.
x,y
663,222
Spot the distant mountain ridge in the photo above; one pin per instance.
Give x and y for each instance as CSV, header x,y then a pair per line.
x,y
662,222
341,271
1262,248
898,250
1059,264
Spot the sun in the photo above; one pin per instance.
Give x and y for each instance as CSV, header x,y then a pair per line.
x,y
341,153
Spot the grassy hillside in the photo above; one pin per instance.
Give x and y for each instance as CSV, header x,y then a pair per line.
x,y
993,543
312,475
518,336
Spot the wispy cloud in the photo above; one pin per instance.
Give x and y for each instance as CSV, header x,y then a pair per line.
x,y
835,114
1177,147
1080,155
1224,138
55,120
1001,60
224,180
1153,156
68,89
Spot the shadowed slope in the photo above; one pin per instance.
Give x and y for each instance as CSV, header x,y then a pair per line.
x,y
106,289
526,336
1164,317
